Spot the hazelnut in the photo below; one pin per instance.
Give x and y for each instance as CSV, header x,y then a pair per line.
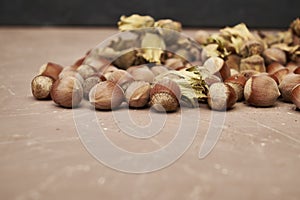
x,y
41,87
254,62
71,73
142,74
218,67
201,36
261,91
280,74
221,96
156,70
273,67
121,77
237,82
67,92
106,95
274,55
287,85
233,62
85,71
90,82
295,95
51,70
165,95
137,94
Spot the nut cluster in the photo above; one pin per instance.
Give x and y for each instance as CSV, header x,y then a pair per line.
x,y
249,67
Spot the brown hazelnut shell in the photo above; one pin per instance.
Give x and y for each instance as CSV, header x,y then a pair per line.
x,y
261,91
106,95
295,95
51,70
67,92
41,87
287,84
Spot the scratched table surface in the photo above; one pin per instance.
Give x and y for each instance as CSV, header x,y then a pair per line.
x,y
257,155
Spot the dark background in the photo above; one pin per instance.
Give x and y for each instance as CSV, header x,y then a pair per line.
x,y
193,13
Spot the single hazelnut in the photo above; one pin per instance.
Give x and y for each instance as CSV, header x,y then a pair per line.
x,y
51,70
137,94
109,70
156,70
201,36
280,74
261,91
41,87
85,71
121,77
221,96
274,55
218,67
295,95
90,82
165,95
67,92
71,73
287,85
273,67
106,95
254,62
142,74
233,62
237,82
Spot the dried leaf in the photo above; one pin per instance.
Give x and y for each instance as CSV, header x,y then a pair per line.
x,y
135,22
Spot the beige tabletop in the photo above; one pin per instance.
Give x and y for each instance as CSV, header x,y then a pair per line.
x,y
42,157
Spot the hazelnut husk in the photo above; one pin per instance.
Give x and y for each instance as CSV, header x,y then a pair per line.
x,y
165,95
254,62
261,91
51,70
237,82
106,95
67,92
137,94
41,87
287,84
274,55
218,67
221,97
174,63
251,47
295,95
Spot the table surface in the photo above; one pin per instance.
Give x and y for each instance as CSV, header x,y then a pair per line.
x,y
42,157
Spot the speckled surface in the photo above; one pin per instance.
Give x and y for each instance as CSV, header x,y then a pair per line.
x,y
42,157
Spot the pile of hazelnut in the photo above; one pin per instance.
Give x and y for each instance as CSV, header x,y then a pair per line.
x,y
239,66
